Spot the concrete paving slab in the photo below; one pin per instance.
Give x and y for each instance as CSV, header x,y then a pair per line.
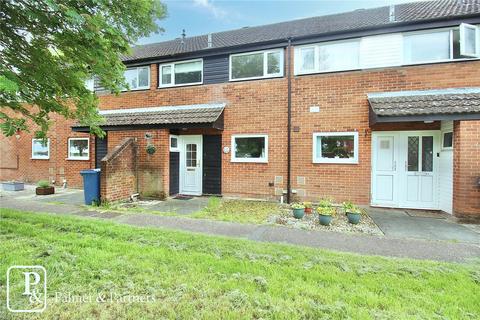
x,y
398,224
177,206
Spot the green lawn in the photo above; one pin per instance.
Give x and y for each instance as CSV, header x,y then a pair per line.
x,y
242,211
196,276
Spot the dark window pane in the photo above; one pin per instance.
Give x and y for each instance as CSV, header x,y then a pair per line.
x,y
166,74
413,144
190,72
448,139
336,147
247,66
250,147
427,154
173,142
273,60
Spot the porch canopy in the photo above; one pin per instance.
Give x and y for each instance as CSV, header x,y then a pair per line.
x,y
428,105
170,117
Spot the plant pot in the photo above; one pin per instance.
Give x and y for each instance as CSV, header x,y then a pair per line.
x,y
43,191
353,217
325,220
308,210
298,213
13,186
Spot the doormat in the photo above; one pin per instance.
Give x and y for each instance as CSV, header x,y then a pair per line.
x,y
427,214
182,197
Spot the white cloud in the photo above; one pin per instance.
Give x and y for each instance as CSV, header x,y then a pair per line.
x,y
216,11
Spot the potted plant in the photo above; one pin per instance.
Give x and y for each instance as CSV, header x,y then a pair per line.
x,y
353,212
13,186
298,210
325,211
308,207
44,188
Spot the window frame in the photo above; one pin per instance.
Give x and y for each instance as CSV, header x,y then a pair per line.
x,y
172,75
266,75
78,158
137,69
316,65
353,160
34,157
443,140
462,29
174,149
249,160
430,31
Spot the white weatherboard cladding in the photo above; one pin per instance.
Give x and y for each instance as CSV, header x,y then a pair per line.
x,y
381,51
445,177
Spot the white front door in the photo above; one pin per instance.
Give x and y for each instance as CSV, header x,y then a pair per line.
x,y
190,164
405,169
419,156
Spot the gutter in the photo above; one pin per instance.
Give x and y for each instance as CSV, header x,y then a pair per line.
x,y
289,118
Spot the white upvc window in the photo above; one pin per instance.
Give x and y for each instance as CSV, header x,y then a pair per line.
x,y
137,78
256,65
250,148
427,46
182,73
78,149
447,140
469,40
328,57
174,147
40,149
335,147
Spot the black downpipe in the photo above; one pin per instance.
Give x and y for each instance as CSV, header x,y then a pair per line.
x,y
289,118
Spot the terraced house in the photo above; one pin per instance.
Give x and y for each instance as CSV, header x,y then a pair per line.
x,y
377,106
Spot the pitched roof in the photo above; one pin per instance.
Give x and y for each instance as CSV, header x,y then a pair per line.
x,y
335,23
429,102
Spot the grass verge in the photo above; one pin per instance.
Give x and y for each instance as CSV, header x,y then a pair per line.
x,y
242,211
202,277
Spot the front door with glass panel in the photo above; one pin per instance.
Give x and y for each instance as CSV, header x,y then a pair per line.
x,y
420,163
190,165
405,169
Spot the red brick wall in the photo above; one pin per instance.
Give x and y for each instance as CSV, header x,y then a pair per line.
x,y
57,168
118,176
342,98
466,169
260,107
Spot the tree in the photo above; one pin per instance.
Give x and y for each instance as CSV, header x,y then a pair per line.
x,y
49,48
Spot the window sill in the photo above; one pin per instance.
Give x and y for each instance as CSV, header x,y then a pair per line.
x,y
256,78
180,85
334,162
77,159
32,158
248,161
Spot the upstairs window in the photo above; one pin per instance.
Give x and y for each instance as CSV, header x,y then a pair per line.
x,y
181,73
426,47
469,40
137,78
329,56
40,149
256,65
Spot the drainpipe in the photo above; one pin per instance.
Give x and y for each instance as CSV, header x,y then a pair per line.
x,y
289,118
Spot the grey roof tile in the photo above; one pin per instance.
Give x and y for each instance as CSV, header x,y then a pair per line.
x,y
430,102
341,22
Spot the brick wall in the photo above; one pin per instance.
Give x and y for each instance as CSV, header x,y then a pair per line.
x,y
118,176
57,168
260,107
466,169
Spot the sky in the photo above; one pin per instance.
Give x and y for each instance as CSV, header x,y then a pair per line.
x,y
205,16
